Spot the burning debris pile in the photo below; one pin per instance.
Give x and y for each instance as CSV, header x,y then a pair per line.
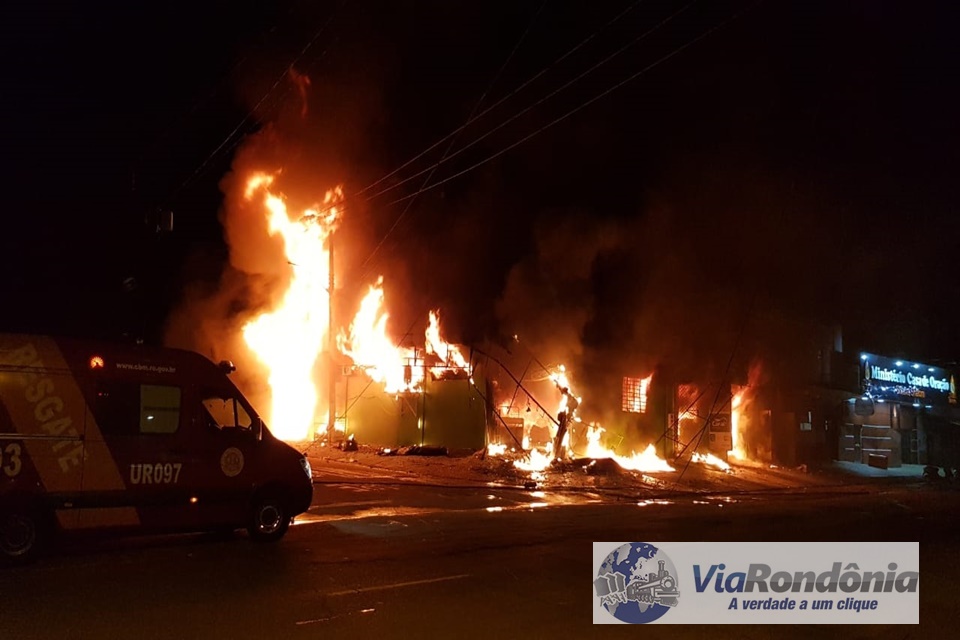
x,y
573,444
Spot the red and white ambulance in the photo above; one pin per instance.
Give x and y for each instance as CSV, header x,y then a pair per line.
x,y
122,437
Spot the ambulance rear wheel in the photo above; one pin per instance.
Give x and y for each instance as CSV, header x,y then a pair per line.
x,y
270,520
19,537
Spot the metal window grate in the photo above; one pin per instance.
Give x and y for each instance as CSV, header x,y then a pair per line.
x,y
635,394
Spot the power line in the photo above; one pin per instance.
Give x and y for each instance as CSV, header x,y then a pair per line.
x,y
454,139
239,60
455,135
280,97
541,100
196,173
496,104
583,105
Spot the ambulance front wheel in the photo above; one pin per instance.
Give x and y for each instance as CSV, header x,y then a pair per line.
x,y
19,537
271,520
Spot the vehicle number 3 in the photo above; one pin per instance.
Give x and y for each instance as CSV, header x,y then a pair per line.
x,y
10,460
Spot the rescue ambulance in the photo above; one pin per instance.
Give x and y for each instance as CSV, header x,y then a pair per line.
x,y
122,437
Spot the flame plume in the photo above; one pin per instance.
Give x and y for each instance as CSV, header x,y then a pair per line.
x,y
289,338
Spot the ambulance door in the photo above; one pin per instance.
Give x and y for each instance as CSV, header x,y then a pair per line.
x,y
136,462
224,438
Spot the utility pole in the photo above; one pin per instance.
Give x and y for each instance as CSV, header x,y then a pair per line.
x,y
331,346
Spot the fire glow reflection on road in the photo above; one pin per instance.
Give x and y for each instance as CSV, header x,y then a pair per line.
x,y
647,503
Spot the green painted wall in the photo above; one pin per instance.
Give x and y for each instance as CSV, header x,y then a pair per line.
x,y
450,413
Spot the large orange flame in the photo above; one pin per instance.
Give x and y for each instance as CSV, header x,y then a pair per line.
x,y
538,461
740,414
738,425
289,338
449,354
687,417
710,460
397,368
646,460
370,348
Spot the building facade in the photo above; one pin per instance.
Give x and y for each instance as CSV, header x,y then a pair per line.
x,y
906,412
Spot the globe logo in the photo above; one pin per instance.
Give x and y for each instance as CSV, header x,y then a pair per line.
x,y
637,583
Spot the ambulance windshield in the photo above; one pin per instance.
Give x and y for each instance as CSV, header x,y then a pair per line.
x,y
227,413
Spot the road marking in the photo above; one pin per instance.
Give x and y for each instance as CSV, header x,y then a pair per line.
x,y
350,473
334,617
397,585
316,513
335,505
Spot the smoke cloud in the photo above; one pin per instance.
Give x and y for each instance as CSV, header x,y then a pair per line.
x,y
691,288
305,165
706,270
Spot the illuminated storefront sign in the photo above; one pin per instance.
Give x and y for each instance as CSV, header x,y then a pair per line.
x,y
891,379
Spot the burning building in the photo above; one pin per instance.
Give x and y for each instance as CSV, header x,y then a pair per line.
x,y
814,403
312,379
656,358
395,396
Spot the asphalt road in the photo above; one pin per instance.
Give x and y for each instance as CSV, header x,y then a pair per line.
x,y
401,561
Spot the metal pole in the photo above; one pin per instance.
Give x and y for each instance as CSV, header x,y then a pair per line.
x,y
520,384
423,401
331,343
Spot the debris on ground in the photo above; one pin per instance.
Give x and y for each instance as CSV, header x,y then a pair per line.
x,y
350,444
438,465
422,450
602,467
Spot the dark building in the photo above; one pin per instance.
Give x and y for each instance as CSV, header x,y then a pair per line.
x,y
905,412
807,401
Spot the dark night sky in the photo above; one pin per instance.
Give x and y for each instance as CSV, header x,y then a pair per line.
x,y
801,158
